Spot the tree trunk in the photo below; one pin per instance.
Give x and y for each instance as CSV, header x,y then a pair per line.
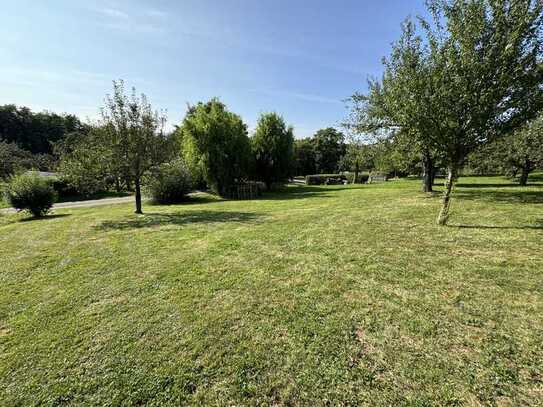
x,y
523,181
444,213
428,174
138,196
356,170
117,184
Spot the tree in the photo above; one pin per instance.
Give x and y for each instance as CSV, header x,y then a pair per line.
x,y
273,149
35,132
14,159
358,157
215,145
329,146
85,160
471,76
522,150
133,135
304,157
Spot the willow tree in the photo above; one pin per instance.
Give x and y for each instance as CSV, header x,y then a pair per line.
x,y
215,145
463,78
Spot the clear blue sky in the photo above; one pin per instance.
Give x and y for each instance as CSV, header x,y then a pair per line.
x,y
298,58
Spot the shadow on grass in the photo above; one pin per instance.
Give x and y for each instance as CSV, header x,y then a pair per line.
x,y
306,192
525,227
46,217
512,197
198,198
510,185
92,197
180,219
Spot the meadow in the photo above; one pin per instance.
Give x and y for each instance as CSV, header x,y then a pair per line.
x,y
311,295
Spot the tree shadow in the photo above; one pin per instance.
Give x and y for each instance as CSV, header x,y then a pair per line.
x,y
523,227
192,199
510,185
177,218
306,192
46,217
512,197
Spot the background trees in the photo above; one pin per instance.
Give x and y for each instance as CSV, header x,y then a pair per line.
x,y
470,76
523,150
517,154
14,159
329,147
304,157
273,149
85,161
35,132
215,145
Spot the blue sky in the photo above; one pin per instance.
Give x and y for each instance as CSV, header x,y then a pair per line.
x,y
298,58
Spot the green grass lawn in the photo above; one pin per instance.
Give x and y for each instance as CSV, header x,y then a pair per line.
x,y
340,295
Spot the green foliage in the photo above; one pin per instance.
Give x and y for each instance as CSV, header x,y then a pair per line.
x,y
133,135
523,150
169,183
516,154
215,145
273,149
35,132
470,76
30,192
14,159
329,147
304,157
86,161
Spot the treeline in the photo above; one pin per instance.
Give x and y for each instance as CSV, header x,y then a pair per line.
x,y
27,138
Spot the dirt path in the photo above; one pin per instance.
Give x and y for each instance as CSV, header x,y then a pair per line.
x,y
83,204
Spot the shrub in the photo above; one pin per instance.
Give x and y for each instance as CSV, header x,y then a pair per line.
x,y
63,187
29,192
321,179
13,159
169,183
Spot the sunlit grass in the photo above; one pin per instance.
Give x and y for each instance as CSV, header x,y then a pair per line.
x,y
345,294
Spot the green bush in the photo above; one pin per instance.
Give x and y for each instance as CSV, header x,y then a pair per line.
x,y
322,179
63,187
30,192
169,183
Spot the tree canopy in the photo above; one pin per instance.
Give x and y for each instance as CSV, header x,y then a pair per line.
x,y
469,75
215,145
273,149
329,147
35,132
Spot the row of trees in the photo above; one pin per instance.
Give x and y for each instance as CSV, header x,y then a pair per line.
x,y
516,154
27,138
455,83
129,142
321,154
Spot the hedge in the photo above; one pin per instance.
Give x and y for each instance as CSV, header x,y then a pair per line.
x,y
321,179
